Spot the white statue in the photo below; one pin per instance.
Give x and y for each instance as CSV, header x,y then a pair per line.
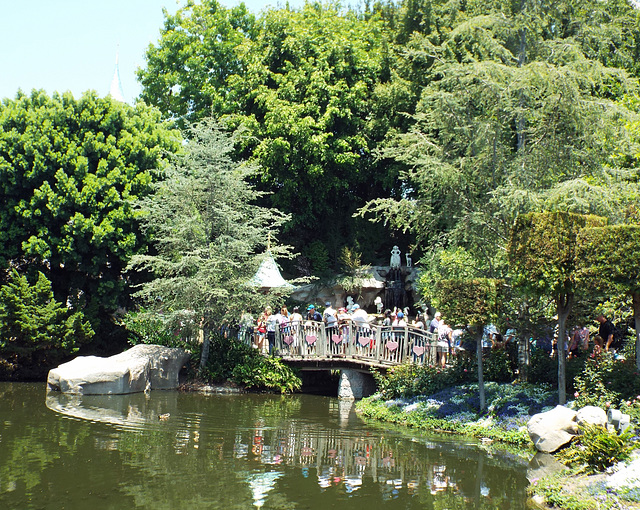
x,y
378,302
349,303
408,259
395,258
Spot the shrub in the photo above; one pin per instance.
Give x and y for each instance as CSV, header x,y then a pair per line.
x,y
177,330
596,449
543,369
606,381
37,331
497,366
238,362
266,373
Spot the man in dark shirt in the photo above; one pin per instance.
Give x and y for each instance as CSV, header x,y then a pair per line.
x,y
313,314
606,331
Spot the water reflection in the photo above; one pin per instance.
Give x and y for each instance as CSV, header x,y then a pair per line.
x,y
259,451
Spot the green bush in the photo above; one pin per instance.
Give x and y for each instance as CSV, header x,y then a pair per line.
x,y
497,366
596,449
266,373
36,331
232,360
543,369
144,327
606,381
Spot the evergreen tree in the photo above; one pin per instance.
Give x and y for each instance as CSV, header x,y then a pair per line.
x,y
208,235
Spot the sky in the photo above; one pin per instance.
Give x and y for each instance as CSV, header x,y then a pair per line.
x,y
71,45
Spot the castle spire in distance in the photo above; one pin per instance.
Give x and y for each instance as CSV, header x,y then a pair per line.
x,y
116,85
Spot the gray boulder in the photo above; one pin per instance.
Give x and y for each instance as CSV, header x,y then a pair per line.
x,y
553,429
591,415
140,368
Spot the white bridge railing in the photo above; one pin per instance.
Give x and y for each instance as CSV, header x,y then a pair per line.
x,y
374,344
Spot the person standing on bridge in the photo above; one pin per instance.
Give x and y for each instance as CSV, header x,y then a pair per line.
x,y
313,314
295,321
330,317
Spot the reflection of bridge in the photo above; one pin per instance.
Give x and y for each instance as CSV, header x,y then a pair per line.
x,y
340,458
354,349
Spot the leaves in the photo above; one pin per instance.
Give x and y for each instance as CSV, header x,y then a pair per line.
x,y
69,173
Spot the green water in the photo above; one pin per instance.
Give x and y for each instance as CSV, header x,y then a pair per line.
x,y
233,452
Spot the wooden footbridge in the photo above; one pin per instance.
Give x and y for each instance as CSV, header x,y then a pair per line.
x,y
355,345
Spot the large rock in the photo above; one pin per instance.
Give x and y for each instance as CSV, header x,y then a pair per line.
x,y
553,429
591,415
138,369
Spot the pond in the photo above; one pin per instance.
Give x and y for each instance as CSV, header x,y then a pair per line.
x,y
170,450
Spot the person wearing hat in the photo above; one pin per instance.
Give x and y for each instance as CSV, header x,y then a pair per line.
x,y
313,314
399,321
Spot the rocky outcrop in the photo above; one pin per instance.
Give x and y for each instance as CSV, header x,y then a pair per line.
x,y
551,430
138,369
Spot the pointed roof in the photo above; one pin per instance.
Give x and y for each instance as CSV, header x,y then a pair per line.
x,y
116,85
268,275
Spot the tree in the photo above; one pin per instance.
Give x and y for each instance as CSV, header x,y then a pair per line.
x,y
36,331
208,235
501,129
543,261
304,84
187,72
472,303
610,257
70,171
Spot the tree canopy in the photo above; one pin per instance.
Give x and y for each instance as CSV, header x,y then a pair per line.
x,y
543,256
70,171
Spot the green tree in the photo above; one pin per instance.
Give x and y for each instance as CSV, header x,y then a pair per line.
x,y
187,72
543,260
610,257
70,171
208,235
304,84
472,303
306,97
504,126
36,331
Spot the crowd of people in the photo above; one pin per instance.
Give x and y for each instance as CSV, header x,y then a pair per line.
x,y
339,322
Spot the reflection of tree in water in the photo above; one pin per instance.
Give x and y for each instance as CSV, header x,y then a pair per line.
x,y
203,457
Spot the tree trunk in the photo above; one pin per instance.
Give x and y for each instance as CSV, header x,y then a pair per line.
x,y
480,377
564,303
636,317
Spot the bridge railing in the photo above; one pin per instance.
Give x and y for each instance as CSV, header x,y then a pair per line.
x,y
370,343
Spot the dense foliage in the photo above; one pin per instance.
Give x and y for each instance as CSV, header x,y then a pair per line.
x,y
36,331
70,171
611,257
543,256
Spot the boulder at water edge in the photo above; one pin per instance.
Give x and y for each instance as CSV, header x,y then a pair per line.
x,y
553,429
140,368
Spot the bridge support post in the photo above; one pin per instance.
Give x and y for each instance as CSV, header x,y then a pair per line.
x,y
355,385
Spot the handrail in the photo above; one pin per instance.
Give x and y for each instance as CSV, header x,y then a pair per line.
x,y
372,343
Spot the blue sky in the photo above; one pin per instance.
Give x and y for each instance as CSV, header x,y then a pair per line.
x,y
60,45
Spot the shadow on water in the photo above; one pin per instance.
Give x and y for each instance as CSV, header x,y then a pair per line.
x,y
240,451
